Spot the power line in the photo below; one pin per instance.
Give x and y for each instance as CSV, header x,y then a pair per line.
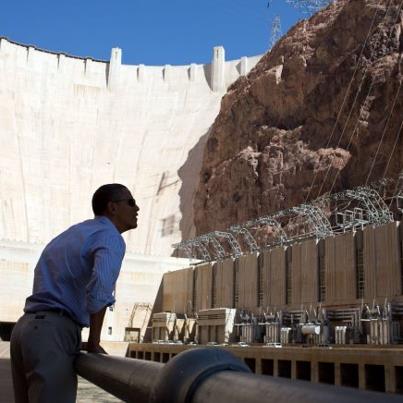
x,y
346,94
393,148
356,125
383,134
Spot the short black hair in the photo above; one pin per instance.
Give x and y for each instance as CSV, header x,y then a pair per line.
x,y
104,194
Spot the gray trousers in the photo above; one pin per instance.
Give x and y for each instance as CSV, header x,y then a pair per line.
x,y
43,348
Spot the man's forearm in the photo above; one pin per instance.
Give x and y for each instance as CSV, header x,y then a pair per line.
x,y
96,322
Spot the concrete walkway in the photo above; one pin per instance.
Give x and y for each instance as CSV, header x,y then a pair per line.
x,y
6,395
87,392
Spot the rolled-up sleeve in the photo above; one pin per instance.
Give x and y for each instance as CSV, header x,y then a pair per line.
x,y
107,252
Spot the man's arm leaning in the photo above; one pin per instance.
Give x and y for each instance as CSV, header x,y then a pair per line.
x,y
108,255
96,321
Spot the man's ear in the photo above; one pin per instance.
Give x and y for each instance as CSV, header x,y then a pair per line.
x,y
111,208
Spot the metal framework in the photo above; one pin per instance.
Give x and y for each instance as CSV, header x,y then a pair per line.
x,y
198,245
317,218
362,206
351,218
249,240
219,250
375,209
399,202
272,222
185,246
399,193
233,243
381,185
193,248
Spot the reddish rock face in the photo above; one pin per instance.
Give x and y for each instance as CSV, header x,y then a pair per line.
x,y
321,112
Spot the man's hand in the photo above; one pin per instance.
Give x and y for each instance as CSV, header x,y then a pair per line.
x,y
92,345
93,348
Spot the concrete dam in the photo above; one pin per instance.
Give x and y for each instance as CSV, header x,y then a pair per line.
x,y
309,291
70,124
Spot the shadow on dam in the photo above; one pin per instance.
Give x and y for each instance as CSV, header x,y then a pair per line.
x,y
189,173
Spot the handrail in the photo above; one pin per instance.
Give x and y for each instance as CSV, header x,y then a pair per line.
x,y
125,378
208,375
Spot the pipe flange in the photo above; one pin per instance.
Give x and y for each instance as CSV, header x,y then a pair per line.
x,y
182,375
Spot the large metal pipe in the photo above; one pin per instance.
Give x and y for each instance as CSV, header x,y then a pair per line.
x,y
127,379
206,375
249,388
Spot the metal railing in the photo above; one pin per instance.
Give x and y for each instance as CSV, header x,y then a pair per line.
x,y
207,375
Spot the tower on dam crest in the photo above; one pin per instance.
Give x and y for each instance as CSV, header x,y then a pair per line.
x,y
218,69
114,67
70,124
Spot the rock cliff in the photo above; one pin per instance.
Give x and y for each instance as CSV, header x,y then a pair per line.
x,y
322,111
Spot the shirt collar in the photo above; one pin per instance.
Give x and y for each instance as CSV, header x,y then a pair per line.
x,y
105,220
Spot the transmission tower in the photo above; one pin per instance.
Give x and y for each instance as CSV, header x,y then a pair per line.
x,y
275,31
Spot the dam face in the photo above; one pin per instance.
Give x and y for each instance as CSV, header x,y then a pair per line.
x,y
68,125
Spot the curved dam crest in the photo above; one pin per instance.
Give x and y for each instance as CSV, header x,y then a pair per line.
x,y
69,124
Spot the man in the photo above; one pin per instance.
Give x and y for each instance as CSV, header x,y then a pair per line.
x,y
74,282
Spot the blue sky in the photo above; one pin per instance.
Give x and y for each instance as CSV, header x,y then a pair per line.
x,y
152,32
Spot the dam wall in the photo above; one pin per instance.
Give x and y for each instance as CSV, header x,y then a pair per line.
x,y
69,124
137,287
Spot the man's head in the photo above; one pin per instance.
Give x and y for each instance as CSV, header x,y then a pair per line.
x,y
116,202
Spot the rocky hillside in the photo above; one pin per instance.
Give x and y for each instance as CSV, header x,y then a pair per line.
x,y
322,111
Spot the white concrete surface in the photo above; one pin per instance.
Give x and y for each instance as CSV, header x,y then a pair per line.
x,y
139,281
4,350
68,125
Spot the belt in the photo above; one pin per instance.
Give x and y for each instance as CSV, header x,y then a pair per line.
x,y
57,311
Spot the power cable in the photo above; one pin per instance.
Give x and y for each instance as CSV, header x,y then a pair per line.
x,y
350,140
386,124
349,116
368,94
398,183
344,129
383,135
393,149
347,92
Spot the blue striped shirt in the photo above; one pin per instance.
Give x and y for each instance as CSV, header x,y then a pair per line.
x,y
77,270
